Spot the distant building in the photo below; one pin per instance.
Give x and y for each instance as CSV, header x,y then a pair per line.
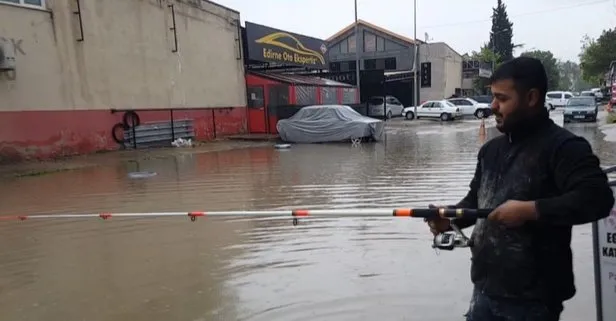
x,y
471,71
381,49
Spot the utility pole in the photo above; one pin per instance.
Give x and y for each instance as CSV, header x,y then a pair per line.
x,y
357,67
415,62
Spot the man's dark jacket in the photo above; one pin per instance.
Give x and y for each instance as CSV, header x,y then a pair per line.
x,y
540,162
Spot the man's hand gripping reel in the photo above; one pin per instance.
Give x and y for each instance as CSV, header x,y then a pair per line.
x,y
454,238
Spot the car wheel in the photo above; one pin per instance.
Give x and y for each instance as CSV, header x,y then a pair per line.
x,y
389,115
445,116
409,115
480,113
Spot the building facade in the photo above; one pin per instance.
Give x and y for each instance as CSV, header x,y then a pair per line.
x,y
472,72
378,49
77,60
381,49
445,67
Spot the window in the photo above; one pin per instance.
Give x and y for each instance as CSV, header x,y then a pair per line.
x,y
305,95
334,66
370,64
255,96
555,95
390,63
328,95
567,96
351,65
375,101
27,3
369,42
380,44
393,101
344,46
352,44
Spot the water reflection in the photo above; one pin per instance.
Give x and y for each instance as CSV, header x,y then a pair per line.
x,y
254,269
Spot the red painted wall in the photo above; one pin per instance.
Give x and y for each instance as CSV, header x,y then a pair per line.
x,y
48,134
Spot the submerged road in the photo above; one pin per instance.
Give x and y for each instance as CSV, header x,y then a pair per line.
x,y
255,269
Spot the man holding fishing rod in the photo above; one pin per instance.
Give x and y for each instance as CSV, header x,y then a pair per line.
x,y
540,179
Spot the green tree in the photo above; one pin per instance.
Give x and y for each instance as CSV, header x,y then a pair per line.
x,y
571,77
549,63
484,55
596,56
501,35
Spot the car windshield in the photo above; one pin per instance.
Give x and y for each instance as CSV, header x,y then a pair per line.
x,y
587,93
581,102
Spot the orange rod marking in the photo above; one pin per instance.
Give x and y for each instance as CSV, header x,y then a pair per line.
x,y
195,214
403,212
300,213
105,216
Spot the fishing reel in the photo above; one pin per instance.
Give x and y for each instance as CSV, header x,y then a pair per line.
x,y
451,239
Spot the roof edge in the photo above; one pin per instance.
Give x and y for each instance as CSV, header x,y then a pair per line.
x,y
375,27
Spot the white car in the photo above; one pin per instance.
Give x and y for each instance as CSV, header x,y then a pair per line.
x,y
441,109
598,93
555,99
471,107
375,107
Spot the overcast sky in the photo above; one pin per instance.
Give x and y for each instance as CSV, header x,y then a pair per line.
x,y
556,25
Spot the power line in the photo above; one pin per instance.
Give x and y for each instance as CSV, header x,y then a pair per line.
x,y
520,15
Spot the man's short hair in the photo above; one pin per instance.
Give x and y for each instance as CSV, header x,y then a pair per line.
x,y
527,73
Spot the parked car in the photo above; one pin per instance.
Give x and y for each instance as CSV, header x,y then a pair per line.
x,y
484,99
582,108
442,109
471,107
598,94
329,123
554,99
393,105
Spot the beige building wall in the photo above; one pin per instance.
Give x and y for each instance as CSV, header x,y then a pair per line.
x,y
446,70
126,58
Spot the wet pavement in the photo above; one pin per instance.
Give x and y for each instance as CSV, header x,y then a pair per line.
x,y
254,269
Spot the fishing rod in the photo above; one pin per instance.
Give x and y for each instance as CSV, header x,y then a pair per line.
x,y
446,241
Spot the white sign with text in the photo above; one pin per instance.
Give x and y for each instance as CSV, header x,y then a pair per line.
x,y
606,237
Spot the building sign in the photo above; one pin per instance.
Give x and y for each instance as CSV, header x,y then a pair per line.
x,y
605,240
346,77
426,74
273,45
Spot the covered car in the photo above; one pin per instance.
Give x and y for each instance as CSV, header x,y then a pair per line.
x,y
328,123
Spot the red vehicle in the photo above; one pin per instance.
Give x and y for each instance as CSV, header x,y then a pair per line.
x,y
611,81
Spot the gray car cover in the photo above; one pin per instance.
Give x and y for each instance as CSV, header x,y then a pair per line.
x,y
328,123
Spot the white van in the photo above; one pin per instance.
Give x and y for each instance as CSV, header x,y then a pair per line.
x,y
555,99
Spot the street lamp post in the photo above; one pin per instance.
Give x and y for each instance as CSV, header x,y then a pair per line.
x,y
357,68
415,62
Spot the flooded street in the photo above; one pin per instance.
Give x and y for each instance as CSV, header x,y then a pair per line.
x,y
255,269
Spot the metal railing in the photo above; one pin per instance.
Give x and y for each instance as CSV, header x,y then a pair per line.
x,y
158,134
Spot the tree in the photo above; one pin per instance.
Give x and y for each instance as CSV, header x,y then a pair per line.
x,y
484,55
501,35
596,56
571,77
549,63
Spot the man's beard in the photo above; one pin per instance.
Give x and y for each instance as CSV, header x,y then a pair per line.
x,y
514,120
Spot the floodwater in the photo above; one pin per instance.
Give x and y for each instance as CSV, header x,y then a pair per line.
x,y
254,269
